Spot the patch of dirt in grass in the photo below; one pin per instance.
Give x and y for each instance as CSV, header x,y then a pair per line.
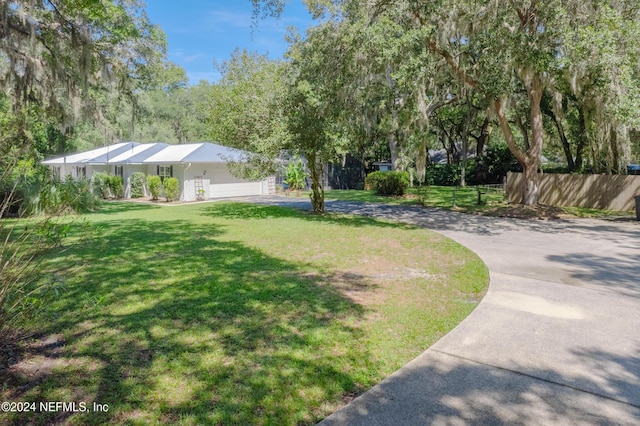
x,y
24,364
370,282
520,211
357,288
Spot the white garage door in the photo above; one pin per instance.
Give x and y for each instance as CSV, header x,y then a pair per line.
x,y
235,189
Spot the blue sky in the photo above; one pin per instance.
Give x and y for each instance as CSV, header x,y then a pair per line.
x,y
199,31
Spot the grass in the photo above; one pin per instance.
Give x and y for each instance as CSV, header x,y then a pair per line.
x,y
230,313
466,200
432,196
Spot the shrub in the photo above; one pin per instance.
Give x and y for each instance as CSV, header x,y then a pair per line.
x,y
171,188
372,179
388,183
136,183
116,186
443,175
154,183
498,161
295,175
101,185
58,196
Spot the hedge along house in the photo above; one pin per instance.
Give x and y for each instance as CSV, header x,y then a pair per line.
x,y
201,168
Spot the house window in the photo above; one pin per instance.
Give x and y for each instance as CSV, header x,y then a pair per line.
x,y
56,172
118,171
165,171
81,172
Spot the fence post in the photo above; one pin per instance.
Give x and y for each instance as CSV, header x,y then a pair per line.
x,y
504,187
479,195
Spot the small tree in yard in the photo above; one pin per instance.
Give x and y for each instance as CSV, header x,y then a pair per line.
x,y
171,189
154,183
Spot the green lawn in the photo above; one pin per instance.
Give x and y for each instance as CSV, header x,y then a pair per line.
x,y
228,313
466,200
432,196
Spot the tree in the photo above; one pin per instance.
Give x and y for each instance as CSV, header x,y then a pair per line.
x,y
245,108
58,60
512,53
59,55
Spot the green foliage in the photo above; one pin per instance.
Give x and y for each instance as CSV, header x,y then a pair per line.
x,y
116,186
23,242
52,233
388,183
90,50
137,182
58,196
171,188
154,183
22,184
498,160
443,174
295,174
371,180
101,185
246,112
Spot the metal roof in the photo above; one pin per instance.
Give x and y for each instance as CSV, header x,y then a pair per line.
x,y
137,154
152,153
95,156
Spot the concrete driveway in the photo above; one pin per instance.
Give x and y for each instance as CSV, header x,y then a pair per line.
x,y
556,340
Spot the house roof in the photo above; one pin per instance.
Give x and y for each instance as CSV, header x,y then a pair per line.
x,y
95,156
152,153
137,154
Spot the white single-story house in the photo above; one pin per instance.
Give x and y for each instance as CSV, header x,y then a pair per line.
x,y
201,168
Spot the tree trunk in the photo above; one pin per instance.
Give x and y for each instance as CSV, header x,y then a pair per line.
x,y
393,134
571,165
393,148
530,160
317,187
582,140
530,185
482,140
465,143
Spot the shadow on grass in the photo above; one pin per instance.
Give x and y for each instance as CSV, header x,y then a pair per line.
x,y
114,207
168,322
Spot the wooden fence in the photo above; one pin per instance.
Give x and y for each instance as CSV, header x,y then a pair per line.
x,y
604,192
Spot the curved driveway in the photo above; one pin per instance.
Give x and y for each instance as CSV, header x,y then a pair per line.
x,y
556,340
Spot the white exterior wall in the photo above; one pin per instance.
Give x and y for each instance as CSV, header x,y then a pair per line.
x,y
224,184
92,170
191,173
217,181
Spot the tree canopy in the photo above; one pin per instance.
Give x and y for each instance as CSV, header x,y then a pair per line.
x,y
565,71
62,56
